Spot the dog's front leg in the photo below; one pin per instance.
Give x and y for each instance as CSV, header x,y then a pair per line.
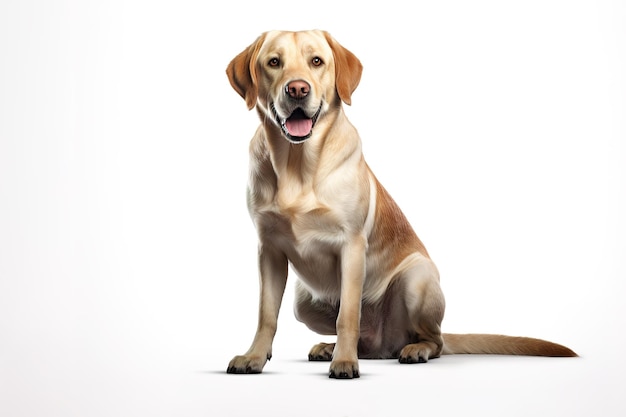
x,y
345,363
273,278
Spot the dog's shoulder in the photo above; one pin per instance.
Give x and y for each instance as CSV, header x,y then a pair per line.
x,y
262,181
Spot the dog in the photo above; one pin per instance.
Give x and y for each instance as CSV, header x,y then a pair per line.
x,y
364,274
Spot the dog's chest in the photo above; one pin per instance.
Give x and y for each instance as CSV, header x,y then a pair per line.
x,y
308,215
308,231
305,223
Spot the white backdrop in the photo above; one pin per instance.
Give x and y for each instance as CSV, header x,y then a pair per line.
x,y
127,258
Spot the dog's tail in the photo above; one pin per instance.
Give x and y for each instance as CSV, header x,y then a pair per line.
x,y
502,345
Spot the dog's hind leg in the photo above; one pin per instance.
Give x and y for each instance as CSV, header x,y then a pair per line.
x,y
320,317
425,306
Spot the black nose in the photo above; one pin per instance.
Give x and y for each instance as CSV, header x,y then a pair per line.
x,y
298,89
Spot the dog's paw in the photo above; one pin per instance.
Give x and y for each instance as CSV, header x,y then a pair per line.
x,y
344,370
246,364
322,352
415,353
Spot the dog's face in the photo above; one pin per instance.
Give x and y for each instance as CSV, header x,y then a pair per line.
x,y
296,74
295,78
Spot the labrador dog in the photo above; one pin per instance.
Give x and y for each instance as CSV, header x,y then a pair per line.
x,y
364,274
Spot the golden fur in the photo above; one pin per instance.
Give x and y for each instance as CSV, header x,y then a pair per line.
x,y
364,274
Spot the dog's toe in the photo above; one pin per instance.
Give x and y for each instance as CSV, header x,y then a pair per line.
x,y
322,352
344,375
344,370
415,353
246,365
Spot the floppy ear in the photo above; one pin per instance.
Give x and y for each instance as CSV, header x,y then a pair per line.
x,y
242,72
348,69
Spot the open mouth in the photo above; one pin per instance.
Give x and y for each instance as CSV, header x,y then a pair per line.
x,y
298,127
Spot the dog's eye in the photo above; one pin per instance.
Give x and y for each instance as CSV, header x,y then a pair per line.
x,y
317,61
274,62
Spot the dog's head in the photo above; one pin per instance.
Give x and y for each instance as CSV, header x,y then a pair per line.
x,y
294,78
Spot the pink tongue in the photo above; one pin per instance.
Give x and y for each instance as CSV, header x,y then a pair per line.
x,y
299,127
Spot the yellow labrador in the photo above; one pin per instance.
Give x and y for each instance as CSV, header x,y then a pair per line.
x,y
364,274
